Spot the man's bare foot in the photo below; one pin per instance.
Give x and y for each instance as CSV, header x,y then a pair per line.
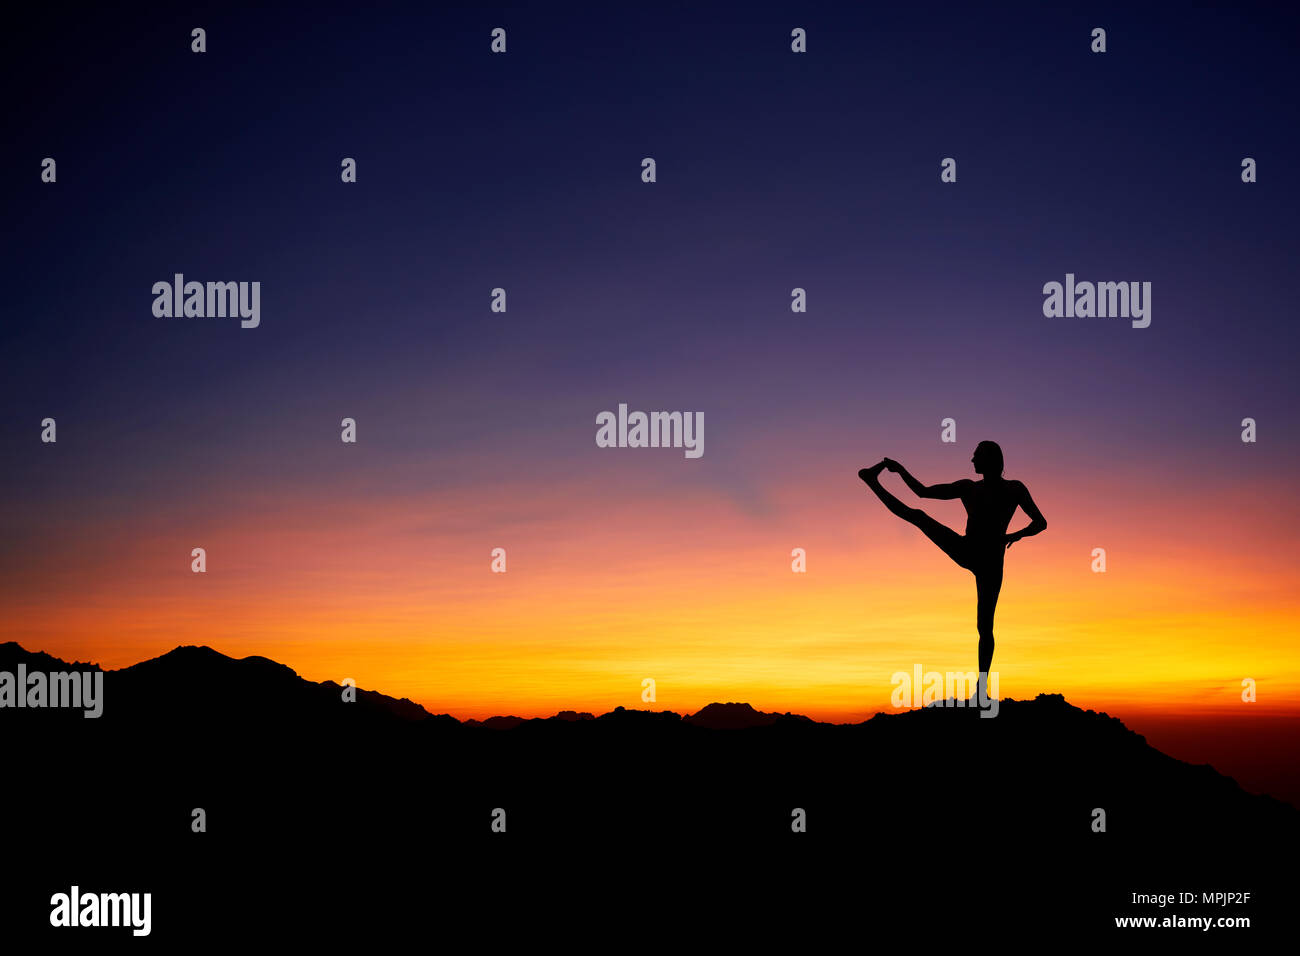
x,y
873,473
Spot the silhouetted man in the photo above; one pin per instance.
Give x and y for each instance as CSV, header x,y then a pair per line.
x,y
990,504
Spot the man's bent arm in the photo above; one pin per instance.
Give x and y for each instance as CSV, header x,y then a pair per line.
x,y
1037,523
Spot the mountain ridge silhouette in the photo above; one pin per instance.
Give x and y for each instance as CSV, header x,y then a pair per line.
x,y
190,660
355,801
198,677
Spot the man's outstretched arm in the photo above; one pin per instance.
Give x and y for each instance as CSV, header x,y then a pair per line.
x,y
924,491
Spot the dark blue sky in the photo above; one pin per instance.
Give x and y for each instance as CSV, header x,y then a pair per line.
x,y
775,170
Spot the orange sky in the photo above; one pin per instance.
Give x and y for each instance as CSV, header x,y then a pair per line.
x,y
693,590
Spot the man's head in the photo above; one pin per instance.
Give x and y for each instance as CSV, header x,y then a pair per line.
x,y
987,459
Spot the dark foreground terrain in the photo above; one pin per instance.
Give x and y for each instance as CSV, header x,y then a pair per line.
x,y
373,821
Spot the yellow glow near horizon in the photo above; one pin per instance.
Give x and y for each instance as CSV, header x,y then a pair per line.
x,y
694,594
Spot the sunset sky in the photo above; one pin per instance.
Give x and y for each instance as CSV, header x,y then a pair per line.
x,y
476,430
